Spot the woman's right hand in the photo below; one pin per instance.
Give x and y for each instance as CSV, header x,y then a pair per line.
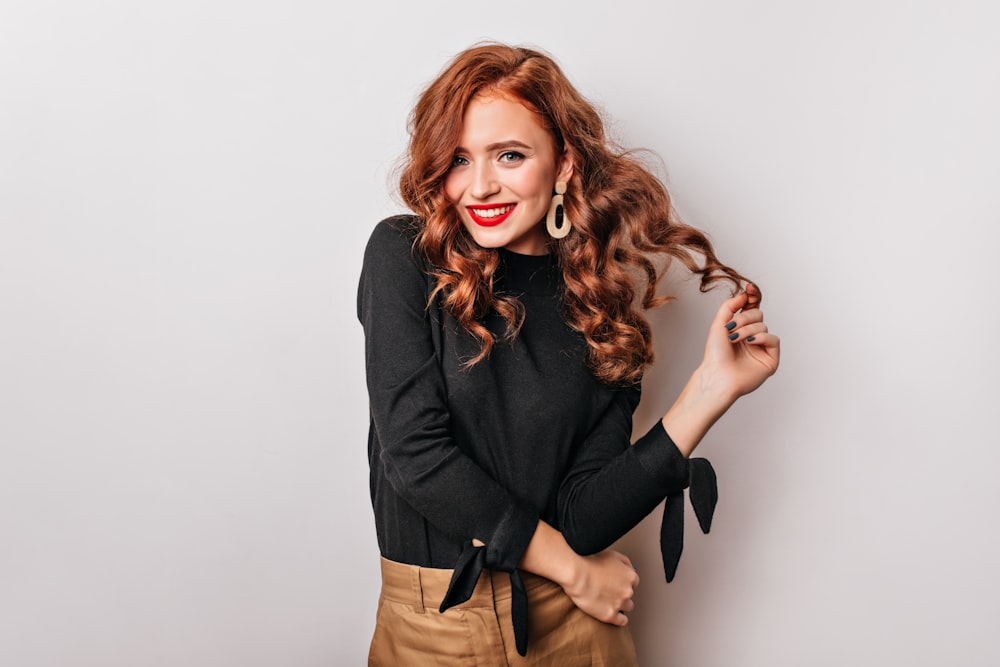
x,y
603,585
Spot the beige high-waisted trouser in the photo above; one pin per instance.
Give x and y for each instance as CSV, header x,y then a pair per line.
x,y
410,631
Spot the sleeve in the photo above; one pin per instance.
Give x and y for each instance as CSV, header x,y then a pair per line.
x,y
410,415
611,486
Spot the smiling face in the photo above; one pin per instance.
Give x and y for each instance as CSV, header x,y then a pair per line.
x,y
503,175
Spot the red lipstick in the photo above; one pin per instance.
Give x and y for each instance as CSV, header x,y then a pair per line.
x,y
493,220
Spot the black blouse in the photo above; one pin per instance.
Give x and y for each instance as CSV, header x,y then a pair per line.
x,y
527,434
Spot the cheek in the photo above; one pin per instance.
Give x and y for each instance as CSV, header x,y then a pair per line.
x,y
453,188
536,183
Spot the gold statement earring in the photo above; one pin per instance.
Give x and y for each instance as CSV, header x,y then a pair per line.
x,y
554,212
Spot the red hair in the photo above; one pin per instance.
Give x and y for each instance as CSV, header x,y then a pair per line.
x,y
621,214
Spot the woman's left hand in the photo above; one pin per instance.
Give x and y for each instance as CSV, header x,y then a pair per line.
x,y
740,352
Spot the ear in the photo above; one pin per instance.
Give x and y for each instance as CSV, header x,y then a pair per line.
x,y
564,167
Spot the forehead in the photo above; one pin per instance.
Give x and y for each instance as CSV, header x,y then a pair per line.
x,y
489,116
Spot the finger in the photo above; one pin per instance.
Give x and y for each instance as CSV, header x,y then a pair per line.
x,y
745,317
769,347
749,331
753,297
635,573
628,606
768,340
616,617
729,308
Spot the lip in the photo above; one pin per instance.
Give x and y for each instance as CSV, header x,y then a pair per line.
x,y
489,222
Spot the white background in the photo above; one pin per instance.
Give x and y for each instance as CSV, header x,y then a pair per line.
x,y
185,192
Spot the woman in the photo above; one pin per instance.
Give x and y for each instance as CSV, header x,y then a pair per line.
x,y
504,351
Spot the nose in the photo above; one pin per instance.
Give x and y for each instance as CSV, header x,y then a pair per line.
x,y
484,181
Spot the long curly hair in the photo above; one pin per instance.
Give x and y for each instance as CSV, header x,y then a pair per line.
x,y
621,214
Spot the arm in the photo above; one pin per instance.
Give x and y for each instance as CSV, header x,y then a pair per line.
x,y
740,354
409,410
611,486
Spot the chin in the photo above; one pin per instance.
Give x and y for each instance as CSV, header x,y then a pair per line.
x,y
485,240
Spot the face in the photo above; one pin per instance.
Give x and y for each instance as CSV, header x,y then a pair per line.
x,y
503,175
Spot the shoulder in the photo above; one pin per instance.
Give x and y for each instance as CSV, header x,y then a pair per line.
x,y
391,244
398,231
630,395
393,271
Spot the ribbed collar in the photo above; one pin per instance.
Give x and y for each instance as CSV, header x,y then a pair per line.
x,y
528,274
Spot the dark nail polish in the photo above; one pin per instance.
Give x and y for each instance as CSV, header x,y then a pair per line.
x,y
750,339
731,326
733,336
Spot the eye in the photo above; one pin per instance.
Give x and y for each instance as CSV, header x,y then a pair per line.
x,y
459,161
511,156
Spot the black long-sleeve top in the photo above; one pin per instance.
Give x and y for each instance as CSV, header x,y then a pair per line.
x,y
485,452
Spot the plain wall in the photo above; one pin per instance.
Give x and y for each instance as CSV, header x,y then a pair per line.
x,y
185,192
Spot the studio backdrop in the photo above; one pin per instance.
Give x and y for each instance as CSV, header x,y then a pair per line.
x,y
186,190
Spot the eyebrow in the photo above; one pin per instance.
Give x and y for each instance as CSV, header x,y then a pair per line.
x,y
510,143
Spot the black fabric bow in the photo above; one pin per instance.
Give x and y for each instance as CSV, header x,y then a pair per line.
x,y
704,492
471,563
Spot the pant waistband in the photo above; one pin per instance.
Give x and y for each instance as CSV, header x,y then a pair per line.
x,y
425,587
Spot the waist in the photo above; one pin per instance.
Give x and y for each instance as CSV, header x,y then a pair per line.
x,y
426,586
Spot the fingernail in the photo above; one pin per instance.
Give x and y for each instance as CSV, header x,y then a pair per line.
x,y
733,336
750,339
730,326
